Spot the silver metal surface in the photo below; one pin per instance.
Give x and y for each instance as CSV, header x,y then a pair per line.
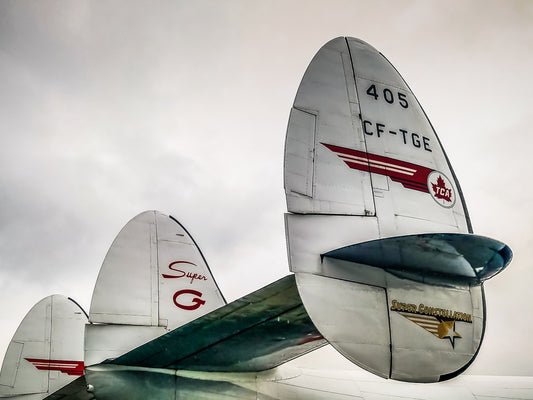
x,y
153,279
377,230
288,383
46,352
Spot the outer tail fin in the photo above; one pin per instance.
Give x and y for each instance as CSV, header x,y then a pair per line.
x,y
359,143
153,279
378,231
46,352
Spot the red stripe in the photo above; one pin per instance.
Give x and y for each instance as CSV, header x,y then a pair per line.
x,y
416,181
66,367
309,339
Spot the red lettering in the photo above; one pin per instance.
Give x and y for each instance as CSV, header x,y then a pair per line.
x,y
196,301
180,273
195,276
171,265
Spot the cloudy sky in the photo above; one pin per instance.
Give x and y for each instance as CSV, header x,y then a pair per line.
x,y
111,108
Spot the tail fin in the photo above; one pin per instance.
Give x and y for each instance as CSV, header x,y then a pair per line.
x,y
378,230
359,143
153,279
46,352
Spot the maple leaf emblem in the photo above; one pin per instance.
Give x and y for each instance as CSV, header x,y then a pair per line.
x,y
441,191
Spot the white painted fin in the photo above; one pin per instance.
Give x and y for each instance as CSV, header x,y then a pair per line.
x,y
153,279
378,233
359,143
46,352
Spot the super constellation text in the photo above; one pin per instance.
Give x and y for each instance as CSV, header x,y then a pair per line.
x,y
434,311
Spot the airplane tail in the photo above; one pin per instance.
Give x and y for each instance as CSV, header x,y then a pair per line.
x,y
46,352
378,232
153,279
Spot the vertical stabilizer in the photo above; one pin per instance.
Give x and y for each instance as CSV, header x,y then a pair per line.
x,y
378,232
46,352
359,144
153,279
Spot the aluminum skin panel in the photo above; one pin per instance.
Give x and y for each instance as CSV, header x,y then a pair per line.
x,y
289,383
414,234
187,288
153,279
309,236
435,331
319,184
107,341
352,316
399,136
153,275
299,150
45,353
123,290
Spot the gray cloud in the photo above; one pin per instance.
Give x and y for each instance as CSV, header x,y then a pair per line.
x,y
109,109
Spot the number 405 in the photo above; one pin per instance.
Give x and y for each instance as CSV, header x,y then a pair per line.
x,y
388,95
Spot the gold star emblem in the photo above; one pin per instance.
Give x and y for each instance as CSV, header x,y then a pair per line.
x,y
435,326
446,330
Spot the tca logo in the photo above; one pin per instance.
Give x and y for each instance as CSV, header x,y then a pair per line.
x,y
441,189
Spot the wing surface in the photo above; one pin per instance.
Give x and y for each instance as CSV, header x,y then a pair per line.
x,y
254,333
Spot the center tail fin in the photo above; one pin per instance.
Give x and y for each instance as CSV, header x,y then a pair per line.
x,y
153,279
378,233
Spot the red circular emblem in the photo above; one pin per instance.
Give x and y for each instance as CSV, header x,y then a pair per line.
x,y
441,189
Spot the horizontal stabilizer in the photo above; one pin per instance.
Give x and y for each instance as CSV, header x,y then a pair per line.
x,y
256,332
436,257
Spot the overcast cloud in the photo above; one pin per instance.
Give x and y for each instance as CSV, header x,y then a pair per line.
x,y
111,108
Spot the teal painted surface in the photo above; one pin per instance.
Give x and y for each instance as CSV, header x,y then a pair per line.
x,y
254,333
112,382
75,390
433,257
